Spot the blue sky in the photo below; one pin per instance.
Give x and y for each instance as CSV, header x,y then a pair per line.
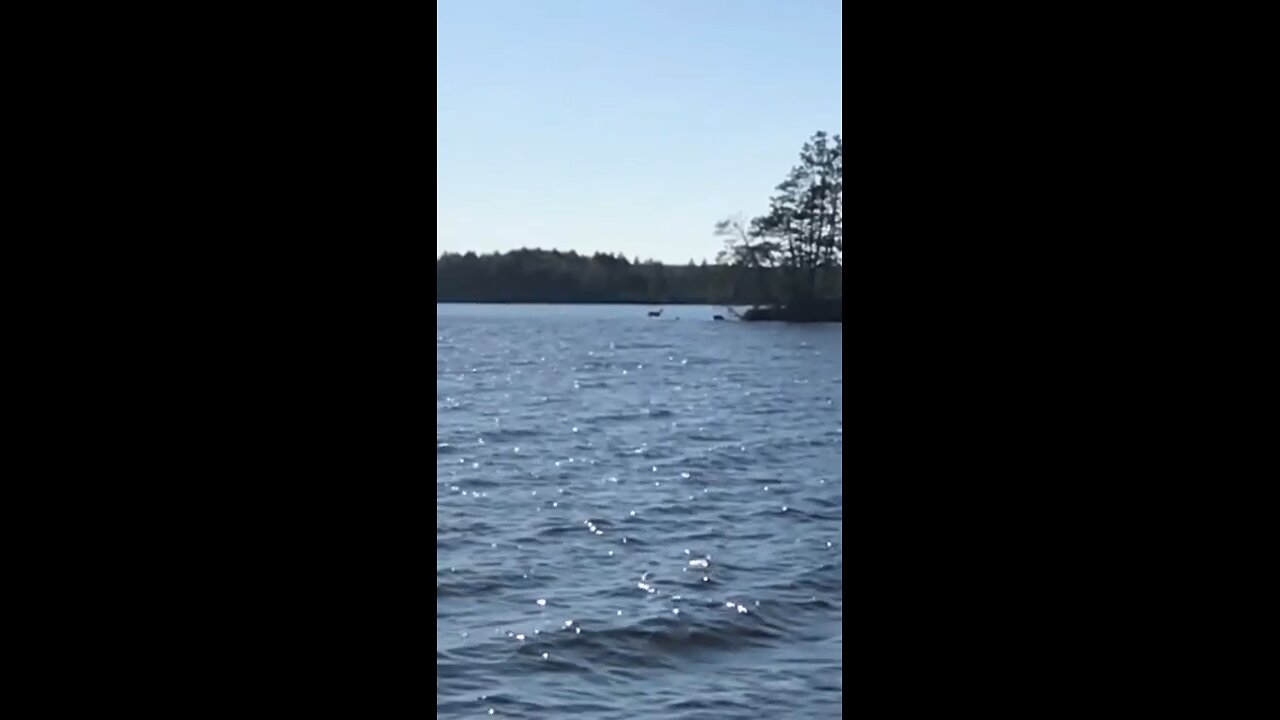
x,y
623,125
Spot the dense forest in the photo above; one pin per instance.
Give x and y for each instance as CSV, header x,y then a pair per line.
x,y
550,276
788,263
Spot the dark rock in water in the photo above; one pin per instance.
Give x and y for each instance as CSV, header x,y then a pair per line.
x,y
717,317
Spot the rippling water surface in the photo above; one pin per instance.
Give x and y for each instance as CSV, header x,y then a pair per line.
x,y
636,517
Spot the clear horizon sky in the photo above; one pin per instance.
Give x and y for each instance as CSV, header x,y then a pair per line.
x,y
625,126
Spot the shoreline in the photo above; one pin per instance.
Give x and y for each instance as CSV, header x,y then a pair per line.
x,y
823,313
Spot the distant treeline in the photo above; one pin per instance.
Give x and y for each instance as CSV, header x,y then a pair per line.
x,y
551,276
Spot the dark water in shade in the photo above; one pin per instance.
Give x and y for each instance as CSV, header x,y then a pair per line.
x,y
595,459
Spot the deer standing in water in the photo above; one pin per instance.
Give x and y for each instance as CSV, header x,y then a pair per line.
x,y
655,313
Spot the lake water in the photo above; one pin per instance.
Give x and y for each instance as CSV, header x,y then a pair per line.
x,y
636,517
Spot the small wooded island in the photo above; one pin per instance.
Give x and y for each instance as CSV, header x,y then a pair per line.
x,y
786,264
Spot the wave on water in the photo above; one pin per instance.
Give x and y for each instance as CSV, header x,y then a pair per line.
x,y
664,541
